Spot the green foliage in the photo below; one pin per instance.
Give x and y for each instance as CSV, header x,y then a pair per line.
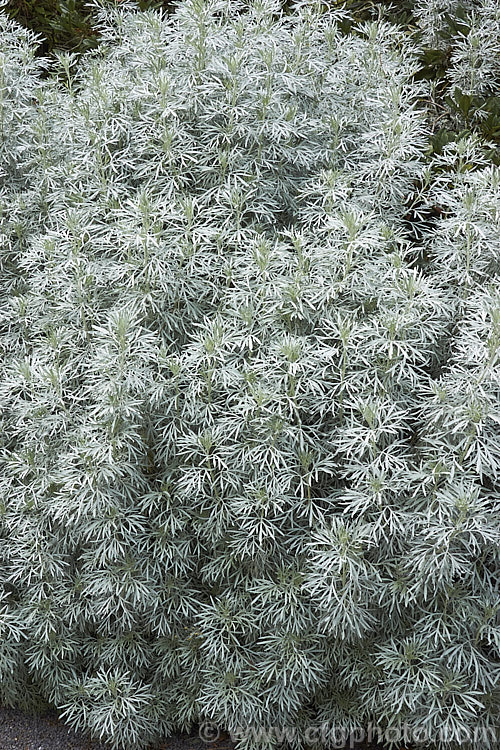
x,y
67,24
62,24
434,64
479,113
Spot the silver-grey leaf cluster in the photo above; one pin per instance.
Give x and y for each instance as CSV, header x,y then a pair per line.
x,y
249,446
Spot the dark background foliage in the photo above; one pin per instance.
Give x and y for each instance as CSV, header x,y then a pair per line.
x,y
65,24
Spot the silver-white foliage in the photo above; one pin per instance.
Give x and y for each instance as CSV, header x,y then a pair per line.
x,y
433,17
249,445
474,65
475,60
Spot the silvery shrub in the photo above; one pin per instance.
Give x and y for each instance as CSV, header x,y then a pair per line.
x,y
249,383
473,48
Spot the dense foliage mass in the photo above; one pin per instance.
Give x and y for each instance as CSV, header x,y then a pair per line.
x,y
250,382
461,56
